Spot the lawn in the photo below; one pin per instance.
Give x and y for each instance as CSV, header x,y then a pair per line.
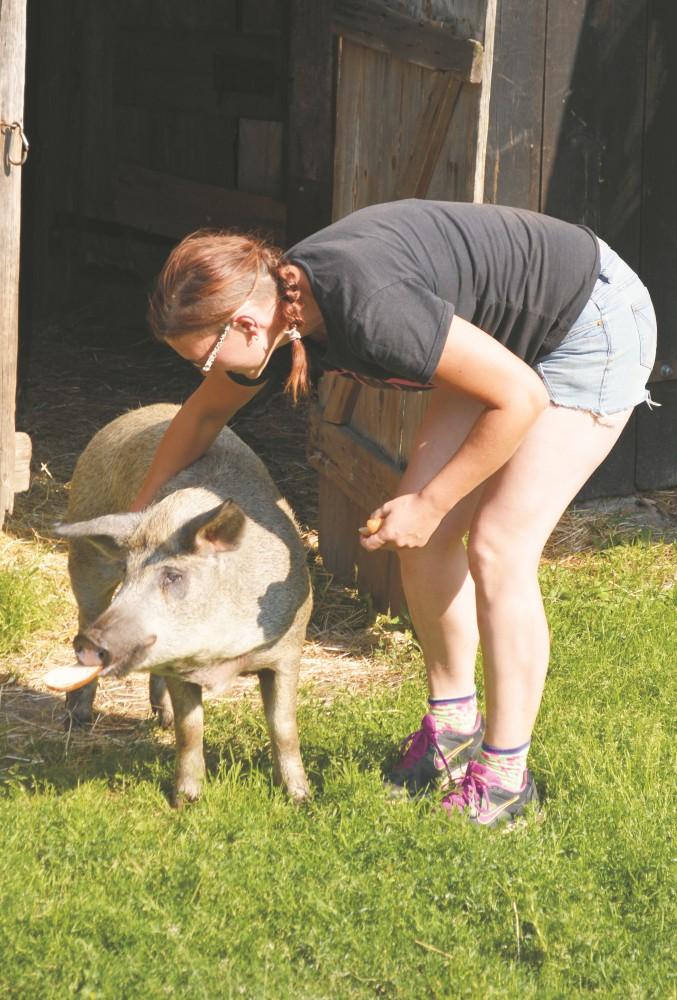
x,y
107,892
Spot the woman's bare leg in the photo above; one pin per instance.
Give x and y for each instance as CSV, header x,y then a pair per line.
x,y
438,586
519,507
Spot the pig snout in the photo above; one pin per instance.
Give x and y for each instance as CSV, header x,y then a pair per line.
x,y
92,650
90,653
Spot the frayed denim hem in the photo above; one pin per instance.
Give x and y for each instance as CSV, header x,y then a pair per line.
x,y
651,403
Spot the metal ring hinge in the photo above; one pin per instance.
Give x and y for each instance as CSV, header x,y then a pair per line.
x,y
17,127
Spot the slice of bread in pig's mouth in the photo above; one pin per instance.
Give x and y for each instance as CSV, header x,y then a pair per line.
x,y
70,678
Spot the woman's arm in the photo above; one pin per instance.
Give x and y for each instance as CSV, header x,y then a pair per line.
x,y
475,364
193,429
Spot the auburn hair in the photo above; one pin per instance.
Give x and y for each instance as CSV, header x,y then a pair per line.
x,y
210,274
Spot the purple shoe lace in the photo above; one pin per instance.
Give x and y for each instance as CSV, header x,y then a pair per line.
x,y
472,791
416,745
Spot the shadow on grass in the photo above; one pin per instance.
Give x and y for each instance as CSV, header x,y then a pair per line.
x,y
38,751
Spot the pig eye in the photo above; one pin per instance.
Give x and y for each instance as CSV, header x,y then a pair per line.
x,y
170,577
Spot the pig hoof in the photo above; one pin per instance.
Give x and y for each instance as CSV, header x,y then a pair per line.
x,y
160,701
184,796
299,794
77,720
164,716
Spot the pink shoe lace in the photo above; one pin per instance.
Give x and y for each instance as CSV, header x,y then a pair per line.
x,y
416,745
472,791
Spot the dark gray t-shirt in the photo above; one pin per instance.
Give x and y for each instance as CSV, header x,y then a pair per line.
x,y
389,278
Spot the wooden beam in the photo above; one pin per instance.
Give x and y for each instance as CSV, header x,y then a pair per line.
x,y
427,142
22,462
340,396
172,206
12,74
420,41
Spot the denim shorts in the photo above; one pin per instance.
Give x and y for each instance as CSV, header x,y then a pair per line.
x,y
604,361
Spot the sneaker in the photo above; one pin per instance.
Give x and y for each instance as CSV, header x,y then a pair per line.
x,y
485,801
434,756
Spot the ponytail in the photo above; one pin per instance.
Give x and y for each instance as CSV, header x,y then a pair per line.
x,y
298,382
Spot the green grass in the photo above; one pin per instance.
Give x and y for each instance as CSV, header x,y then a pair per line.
x,y
105,892
26,604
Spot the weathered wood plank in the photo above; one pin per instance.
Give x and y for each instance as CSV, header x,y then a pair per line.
x,y
171,206
259,157
22,462
417,40
402,131
659,210
377,417
357,466
12,72
513,169
310,120
339,399
373,573
429,138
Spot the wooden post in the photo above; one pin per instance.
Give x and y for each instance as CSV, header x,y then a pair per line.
x,y
12,75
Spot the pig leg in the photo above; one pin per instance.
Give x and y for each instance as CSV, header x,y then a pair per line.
x,y
278,690
160,701
188,724
94,580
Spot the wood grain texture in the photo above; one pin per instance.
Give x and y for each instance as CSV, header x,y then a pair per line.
x,y
418,40
22,462
402,130
171,206
12,71
363,472
513,169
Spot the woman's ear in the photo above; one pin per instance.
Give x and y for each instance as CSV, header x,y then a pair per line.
x,y
247,325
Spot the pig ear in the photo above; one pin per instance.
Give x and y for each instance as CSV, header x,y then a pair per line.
x,y
109,534
218,530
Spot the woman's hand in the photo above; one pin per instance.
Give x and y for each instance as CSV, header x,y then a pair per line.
x,y
407,522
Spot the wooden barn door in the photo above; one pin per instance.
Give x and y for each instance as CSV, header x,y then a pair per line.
x,y
411,121
14,449
581,127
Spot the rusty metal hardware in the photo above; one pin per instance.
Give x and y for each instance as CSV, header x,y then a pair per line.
x,y
17,127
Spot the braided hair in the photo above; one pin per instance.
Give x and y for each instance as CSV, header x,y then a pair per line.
x,y
207,278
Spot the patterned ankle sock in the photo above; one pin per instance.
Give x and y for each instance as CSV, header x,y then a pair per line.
x,y
507,765
459,713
